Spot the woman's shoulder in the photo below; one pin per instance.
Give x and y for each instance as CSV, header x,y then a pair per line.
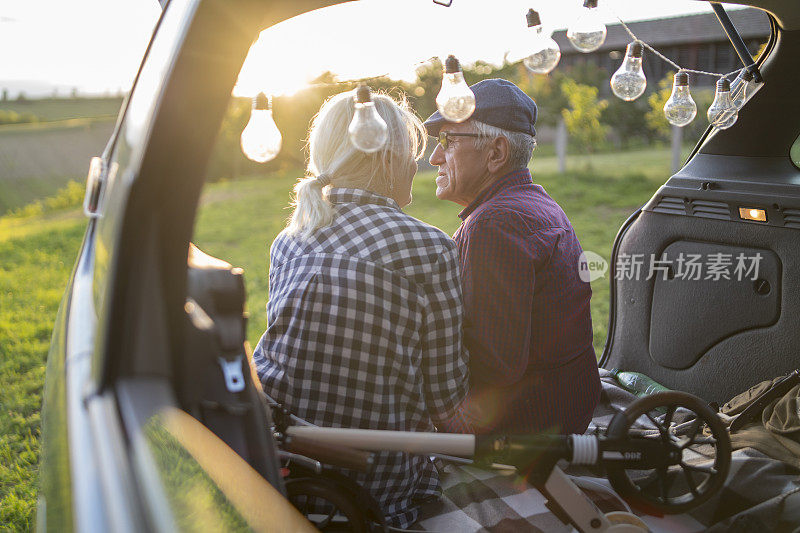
x,y
416,233
407,223
377,234
286,246
414,249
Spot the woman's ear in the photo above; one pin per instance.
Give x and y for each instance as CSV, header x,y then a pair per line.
x,y
499,151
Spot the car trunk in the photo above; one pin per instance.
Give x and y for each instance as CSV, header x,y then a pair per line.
x,y
736,322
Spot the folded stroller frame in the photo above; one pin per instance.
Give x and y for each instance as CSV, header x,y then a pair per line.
x,y
649,468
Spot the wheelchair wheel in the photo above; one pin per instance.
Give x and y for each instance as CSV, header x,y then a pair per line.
x,y
696,463
333,509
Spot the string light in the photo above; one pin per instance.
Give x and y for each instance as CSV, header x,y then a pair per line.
x,y
368,131
546,53
261,139
676,66
722,114
587,33
680,109
628,82
455,100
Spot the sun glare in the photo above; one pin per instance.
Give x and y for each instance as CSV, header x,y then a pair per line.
x,y
289,56
389,37
364,39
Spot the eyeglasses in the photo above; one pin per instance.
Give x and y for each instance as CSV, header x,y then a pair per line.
x,y
444,137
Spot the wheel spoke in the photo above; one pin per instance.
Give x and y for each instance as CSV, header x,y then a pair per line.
x,y
663,478
327,521
668,417
690,481
647,485
710,470
661,429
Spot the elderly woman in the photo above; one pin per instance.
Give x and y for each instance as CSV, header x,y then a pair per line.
x,y
364,313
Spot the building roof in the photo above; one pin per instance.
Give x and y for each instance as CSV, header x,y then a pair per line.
x,y
700,28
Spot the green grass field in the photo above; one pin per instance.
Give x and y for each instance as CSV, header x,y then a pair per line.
x,y
48,109
37,259
237,222
37,159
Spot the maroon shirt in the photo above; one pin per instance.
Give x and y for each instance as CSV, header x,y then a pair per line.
x,y
527,325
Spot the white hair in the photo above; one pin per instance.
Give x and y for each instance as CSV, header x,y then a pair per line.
x,y
520,145
331,153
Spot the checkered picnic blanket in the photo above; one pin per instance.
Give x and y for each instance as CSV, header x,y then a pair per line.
x,y
760,494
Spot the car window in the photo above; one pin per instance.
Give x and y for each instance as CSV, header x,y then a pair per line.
x,y
794,153
196,500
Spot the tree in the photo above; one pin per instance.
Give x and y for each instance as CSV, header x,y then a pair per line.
x,y
656,121
586,73
546,92
582,118
429,81
628,122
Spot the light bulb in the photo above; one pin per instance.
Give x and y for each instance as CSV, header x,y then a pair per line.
x,y
455,100
742,88
680,109
628,82
545,52
368,131
261,138
722,113
588,32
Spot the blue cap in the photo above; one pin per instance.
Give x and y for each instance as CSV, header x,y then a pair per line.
x,y
498,103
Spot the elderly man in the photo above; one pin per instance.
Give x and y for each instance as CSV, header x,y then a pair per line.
x,y
527,324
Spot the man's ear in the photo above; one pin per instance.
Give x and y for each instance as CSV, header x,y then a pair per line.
x,y
499,152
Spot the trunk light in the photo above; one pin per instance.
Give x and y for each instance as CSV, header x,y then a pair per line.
x,y
752,213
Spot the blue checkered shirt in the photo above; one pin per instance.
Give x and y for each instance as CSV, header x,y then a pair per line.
x,y
364,331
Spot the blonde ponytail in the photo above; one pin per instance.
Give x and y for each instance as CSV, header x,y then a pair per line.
x,y
311,209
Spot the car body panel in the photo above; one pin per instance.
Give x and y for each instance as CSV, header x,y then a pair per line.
x,y
108,325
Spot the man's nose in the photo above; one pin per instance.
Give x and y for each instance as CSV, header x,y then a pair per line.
x,y
437,157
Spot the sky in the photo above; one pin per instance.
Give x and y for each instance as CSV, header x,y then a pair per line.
x,y
92,45
95,46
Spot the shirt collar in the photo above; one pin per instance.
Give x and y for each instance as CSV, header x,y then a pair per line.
x,y
517,177
343,195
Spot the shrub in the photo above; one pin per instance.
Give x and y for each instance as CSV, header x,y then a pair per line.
x,y
12,117
583,116
68,197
